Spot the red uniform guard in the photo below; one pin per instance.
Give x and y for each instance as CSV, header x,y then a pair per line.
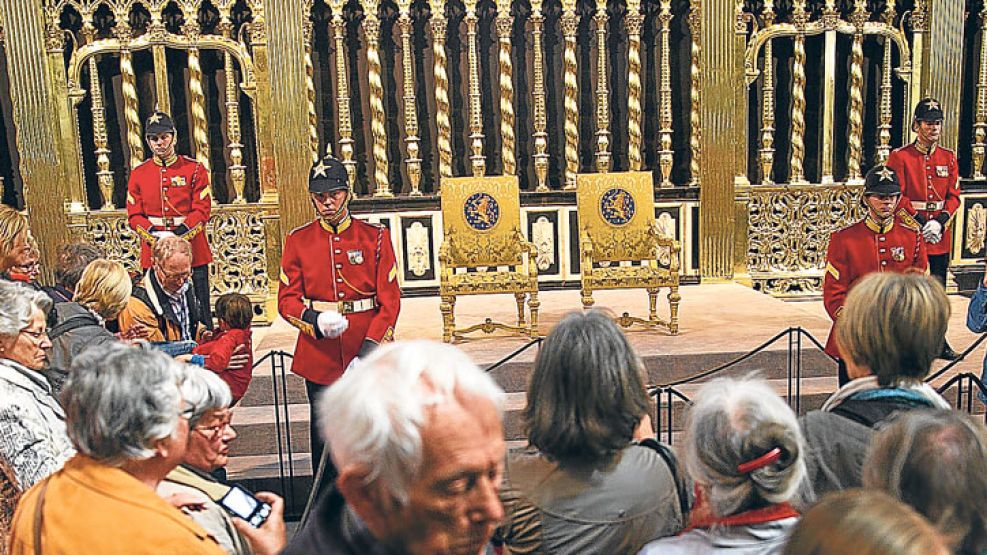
x,y
339,287
929,180
169,195
886,240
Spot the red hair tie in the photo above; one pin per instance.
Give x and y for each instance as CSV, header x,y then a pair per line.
x,y
771,456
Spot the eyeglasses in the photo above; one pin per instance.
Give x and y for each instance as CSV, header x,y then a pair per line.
x,y
212,432
177,276
35,335
187,411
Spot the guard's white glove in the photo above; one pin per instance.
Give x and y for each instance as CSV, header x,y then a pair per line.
x,y
932,231
332,324
353,363
159,235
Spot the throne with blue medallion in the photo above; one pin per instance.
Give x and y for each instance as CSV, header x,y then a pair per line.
x,y
485,253
621,246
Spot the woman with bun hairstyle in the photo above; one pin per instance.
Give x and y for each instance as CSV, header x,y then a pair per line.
x,y
745,452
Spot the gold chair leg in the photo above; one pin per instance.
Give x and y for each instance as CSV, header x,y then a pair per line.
x,y
587,295
673,306
533,305
652,305
519,297
447,306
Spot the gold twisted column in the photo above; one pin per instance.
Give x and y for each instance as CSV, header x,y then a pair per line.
x,y
796,166
633,22
236,170
371,28
768,100
665,152
602,95
884,129
570,21
695,93
344,121
980,127
104,175
443,139
313,118
855,143
413,162
504,24
128,87
540,135
200,134
478,161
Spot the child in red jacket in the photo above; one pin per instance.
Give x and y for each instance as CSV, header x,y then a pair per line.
x,y
234,313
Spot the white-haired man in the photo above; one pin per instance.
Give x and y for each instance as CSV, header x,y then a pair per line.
x,y
417,436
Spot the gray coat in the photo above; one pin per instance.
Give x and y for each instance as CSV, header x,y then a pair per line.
x,y
66,346
754,539
33,440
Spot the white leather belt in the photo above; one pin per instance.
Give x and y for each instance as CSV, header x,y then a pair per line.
x,y
158,221
929,206
343,307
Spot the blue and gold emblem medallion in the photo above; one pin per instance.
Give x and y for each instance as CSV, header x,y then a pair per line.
x,y
617,206
481,211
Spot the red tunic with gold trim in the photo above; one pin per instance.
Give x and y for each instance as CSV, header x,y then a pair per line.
x,y
929,187
865,247
351,267
173,197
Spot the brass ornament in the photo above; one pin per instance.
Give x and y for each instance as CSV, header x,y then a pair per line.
x,y
413,162
478,161
767,152
976,228
980,123
665,153
602,94
344,121
538,96
695,93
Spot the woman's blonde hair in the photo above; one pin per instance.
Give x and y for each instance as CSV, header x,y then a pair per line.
x,y
13,224
894,325
864,522
104,288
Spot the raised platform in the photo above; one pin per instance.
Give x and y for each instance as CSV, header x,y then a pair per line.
x,y
719,322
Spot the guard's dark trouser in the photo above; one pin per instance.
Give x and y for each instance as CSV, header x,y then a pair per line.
x,y
318,446
938,265
200,283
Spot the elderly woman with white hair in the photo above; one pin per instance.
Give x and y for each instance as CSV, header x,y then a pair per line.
x,y
128,420
210,434
33,439
745,452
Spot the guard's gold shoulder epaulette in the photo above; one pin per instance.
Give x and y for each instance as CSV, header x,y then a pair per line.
x,y
908,221
301,227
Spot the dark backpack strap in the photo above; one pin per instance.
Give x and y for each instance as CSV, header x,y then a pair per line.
x,y
670,460
69,324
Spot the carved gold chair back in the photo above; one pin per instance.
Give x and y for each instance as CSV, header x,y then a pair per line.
x,y
485,252
621,246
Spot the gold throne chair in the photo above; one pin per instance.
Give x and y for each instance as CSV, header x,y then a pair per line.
x,y
621,247
484,252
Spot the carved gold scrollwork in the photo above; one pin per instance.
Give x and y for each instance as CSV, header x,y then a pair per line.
x,y
884,129
976,228
789,229
538,96
543,237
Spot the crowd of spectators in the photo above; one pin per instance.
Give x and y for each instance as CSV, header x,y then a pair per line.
x,y
117,400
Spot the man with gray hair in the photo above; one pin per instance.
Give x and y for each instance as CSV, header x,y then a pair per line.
x,y
416,433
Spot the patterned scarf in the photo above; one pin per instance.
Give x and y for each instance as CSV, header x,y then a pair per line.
x,y
180,307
